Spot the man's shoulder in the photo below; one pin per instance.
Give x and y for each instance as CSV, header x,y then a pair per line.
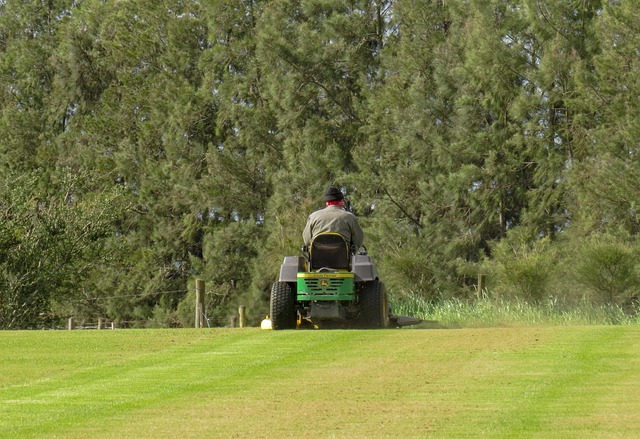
x,y
335,210
331,212
345,212
324,210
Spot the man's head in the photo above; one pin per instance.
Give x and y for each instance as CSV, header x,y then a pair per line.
x,y
333,196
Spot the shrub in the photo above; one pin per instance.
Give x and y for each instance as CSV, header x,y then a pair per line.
x,y
521,267
606,266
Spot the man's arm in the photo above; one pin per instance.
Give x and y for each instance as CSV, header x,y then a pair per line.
x,y
307,233
357,235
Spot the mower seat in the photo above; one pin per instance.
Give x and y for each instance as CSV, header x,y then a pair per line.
x,y
329,250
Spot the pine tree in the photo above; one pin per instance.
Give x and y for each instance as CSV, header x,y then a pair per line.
x,y
561,42
128,79
409,115
607,183
318,57
28,38
241,157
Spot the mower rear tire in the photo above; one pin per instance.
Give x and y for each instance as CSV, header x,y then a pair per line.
x,y
374,306
282,306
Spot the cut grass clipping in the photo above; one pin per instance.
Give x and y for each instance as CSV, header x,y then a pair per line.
x,y
541,381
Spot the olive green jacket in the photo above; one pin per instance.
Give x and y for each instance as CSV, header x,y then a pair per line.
x,y
333,219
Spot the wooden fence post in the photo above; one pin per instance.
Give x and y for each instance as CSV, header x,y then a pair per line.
x,y
70,323
241,313
100,323
482,284
199,323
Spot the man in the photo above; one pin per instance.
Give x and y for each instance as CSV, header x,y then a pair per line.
x,y
334,218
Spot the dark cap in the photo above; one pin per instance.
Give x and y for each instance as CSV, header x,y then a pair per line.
x,y
333,194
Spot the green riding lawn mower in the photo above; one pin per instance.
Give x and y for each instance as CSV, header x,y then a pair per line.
x,y
331,287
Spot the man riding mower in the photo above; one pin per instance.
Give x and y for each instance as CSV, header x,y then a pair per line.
x,y
331,285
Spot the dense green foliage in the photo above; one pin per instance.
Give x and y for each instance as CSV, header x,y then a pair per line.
x,y
146,144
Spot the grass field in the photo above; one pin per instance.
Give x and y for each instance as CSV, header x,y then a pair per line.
x,y
535,381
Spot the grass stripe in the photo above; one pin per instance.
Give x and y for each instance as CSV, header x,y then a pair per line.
x,y
540,381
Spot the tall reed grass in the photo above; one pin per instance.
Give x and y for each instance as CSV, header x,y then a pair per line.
x,y
495,312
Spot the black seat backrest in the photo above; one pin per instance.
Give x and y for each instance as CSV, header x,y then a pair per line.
x,y
329,250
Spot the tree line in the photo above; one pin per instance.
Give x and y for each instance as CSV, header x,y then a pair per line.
x,y
144,144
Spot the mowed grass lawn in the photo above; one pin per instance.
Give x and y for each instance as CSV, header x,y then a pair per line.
x,y
536,381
